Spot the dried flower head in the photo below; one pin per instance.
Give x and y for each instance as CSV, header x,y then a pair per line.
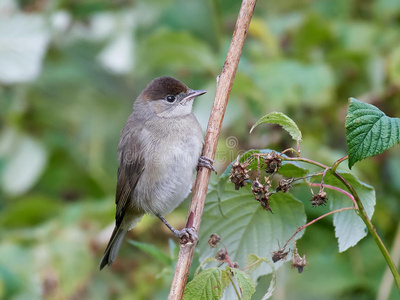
x,y
284,185
265,204
319,199
261,194
278,255
298,261
259,190
235,265
239,174
273,162
214,240
221,255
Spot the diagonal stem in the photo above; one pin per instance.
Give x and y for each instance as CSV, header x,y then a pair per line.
x,y
371,228
315,220
224,85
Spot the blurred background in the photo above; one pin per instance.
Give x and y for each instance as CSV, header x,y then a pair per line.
x,y
69,73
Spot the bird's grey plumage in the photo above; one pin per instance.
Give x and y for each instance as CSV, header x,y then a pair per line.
x,y
157,154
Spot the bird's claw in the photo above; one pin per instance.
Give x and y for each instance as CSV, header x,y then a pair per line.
x,y
186,235
206,162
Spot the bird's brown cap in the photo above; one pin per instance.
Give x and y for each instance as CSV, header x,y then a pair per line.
x,y
161,87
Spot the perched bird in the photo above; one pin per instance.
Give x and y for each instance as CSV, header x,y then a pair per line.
x,y
158,152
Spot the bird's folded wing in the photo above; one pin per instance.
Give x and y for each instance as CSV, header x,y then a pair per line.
x,y
131,166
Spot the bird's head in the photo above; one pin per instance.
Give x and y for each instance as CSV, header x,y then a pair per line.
x,y
169,97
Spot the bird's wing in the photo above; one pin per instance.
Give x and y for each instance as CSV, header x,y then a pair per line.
x,y
131,166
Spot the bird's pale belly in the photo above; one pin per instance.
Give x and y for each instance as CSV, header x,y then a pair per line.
x,y
167,181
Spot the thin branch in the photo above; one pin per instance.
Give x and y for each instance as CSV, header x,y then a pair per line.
x,y
310,161
224,86
371,228
228,260
290,149
338,162
315,220
385,287
234,286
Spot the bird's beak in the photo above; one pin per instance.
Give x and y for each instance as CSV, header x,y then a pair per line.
x,y
193,94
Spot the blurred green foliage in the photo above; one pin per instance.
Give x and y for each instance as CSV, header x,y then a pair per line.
x,y
69,72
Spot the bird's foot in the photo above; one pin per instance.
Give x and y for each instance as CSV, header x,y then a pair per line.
x,y
186,235
206,162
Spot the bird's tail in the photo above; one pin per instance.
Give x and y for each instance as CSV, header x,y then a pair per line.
x,y
113,246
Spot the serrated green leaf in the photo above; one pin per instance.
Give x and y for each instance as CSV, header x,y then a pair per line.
x,y
226,279
283,120
369,131
349,228
153,251
207,285
248,228
246,284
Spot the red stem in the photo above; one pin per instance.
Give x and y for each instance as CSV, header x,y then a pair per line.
x,y
315,220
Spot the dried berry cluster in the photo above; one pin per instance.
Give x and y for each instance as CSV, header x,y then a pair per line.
x,y
298,262
214,240
319,199
278,255
239,174
284,185
222,254
261,194
272,162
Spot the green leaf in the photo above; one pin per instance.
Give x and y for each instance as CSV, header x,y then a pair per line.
x,y
293,83
255,261
180,50
207,285
32,54
292,170
30,211
153,251
281,119
246,284
207,260
349,228
24,165
369,131
248,228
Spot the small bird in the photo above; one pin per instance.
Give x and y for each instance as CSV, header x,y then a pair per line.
x,y
158,152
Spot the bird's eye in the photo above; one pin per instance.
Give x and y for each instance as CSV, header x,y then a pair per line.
x,y
170,98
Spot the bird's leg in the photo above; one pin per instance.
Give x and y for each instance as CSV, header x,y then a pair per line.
x,y
187,234
207,162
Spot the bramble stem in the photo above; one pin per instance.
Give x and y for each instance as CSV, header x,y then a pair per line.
x,y
234,286
315,220
310,161
228,260
363,215
338,162
290,149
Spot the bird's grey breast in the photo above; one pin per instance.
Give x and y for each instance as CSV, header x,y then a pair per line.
x,y
171,149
